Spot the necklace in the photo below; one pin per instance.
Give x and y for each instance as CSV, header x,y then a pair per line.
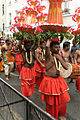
x,y
57,66
29,62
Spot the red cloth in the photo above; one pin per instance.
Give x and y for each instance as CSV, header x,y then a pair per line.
x,y
18,68
27,76
39,73
54,93
54,90
78,82
19,62
56,110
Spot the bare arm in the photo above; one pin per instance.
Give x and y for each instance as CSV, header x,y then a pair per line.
x,y
47,54
75,57
37,58
71,58
65,66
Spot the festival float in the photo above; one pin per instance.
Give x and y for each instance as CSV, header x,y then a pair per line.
x,y
27,21
31,21
76,30
54,26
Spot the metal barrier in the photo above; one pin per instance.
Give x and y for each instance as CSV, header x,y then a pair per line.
x,y
15,106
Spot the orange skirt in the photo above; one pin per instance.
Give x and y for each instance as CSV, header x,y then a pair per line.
x,y
54,90
27,76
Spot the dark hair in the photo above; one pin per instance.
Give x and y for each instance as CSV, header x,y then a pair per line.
x,y
54,43
7,40
41,42
66,44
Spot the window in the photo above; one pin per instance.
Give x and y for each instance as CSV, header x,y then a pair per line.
x,y
9,2
16,12
10,22
3,26
65,7
15,0
2,9
9,15
9,18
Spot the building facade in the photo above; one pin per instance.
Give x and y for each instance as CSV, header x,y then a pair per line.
x,y
9,8
8,11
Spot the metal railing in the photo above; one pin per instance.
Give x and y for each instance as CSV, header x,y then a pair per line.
x,y
15,106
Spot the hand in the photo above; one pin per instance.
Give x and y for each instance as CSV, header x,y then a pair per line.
x,y
43,66
48,43
57,56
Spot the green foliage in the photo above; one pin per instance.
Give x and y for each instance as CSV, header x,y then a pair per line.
x,y
51,34
76,38
24,35
18,36
41,36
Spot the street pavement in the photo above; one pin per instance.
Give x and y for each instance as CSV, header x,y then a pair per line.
x,y
73,106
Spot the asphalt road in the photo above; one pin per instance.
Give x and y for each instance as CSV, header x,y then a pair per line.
x,y
73,106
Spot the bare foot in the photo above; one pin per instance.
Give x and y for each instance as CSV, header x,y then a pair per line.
x,y
7,78
62,118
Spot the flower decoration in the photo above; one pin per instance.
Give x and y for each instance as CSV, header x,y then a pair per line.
x,y
38,29
60,0
21,13
41,18
76,17
54,27
27,40
41,8
16,18
33,3
54,39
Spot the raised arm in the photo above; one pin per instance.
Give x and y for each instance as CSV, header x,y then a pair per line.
x,y
37,57
47,53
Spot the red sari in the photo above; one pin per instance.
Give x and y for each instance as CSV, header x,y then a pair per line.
x,y
54,93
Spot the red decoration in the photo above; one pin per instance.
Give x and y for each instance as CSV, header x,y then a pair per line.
x,y
55,11
55,39
54,28
33,3
76,18
27,40
41,8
